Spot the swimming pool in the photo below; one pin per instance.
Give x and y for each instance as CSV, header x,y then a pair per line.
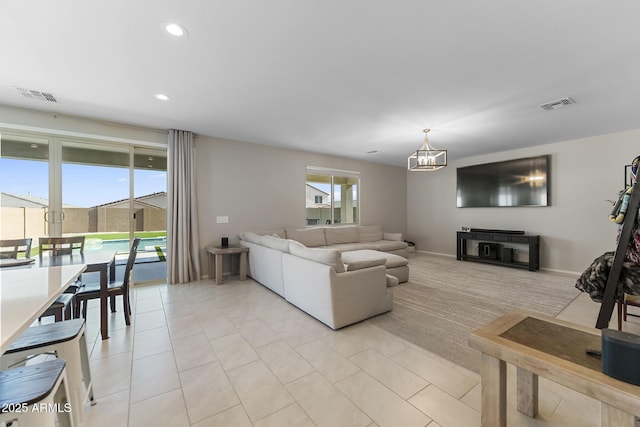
x,y
123,245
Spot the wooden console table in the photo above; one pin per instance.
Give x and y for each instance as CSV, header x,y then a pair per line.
x,y
542,345
215,254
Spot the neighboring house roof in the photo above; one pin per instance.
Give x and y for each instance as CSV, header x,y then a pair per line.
x,y
156,200
311,193
317,189
10,200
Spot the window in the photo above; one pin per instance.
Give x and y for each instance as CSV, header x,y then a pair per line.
x,y
73,186
331,196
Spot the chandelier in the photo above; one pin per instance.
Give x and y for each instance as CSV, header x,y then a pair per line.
x,y
427,158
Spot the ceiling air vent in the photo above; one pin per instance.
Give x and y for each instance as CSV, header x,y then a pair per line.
x,y
34,94
556,105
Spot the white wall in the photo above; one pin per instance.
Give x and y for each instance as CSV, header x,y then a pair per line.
x,y
260,187
585,174
257,186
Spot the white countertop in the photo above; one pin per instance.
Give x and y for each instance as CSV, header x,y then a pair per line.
x,y
26,292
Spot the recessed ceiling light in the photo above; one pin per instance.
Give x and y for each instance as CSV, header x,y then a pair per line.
x,y
162,97
175,29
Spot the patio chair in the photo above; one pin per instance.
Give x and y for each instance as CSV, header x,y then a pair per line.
x,y
90,291
63,306
13,248
61,245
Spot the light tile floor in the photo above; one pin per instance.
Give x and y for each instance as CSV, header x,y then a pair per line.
x,y
239,355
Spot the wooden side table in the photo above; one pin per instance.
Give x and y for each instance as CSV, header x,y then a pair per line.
x,y
555,349
215,255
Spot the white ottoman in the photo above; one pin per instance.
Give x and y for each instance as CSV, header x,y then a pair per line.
x,y
396,265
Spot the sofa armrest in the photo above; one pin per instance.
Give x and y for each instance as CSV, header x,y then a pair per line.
x,y
360,294
336,299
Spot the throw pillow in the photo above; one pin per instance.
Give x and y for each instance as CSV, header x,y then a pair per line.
x,y
276,243
337,235
309,237
392,236
370,233
251,237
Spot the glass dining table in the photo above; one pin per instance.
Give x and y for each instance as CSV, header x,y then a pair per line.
x,y
23,271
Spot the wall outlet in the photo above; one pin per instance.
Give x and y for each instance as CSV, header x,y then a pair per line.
x,y
222,219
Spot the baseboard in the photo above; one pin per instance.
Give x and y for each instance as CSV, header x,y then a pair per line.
x,y
550,270
436,254
565,272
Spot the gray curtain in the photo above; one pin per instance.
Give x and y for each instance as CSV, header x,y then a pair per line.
x,y
182,228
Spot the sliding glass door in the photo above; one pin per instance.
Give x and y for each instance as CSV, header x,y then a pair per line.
x,y
95,191
54,186
150,212
24,186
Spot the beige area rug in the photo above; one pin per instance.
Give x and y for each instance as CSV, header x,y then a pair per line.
x,y
445,299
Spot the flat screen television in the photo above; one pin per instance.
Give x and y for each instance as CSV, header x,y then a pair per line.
x,y
518,182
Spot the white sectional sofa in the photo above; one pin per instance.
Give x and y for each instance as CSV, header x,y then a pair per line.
x,y
300,266
349,238
357,242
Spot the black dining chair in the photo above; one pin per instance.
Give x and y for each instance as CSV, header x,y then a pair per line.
x,y
13,248
63,306
54,246
89,291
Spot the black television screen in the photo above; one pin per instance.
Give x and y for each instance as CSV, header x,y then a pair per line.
x,y
519,182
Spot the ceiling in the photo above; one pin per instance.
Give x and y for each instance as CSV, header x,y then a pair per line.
x,y
342,77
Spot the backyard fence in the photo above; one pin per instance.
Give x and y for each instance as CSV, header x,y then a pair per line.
x,y
18,223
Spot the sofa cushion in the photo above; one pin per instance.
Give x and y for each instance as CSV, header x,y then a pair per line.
x,y
251,237
385,245
338,235
390,260
277,243
309,237
370,233
364,263
330,257
346,247
393,261
392,281
276,232
392,236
